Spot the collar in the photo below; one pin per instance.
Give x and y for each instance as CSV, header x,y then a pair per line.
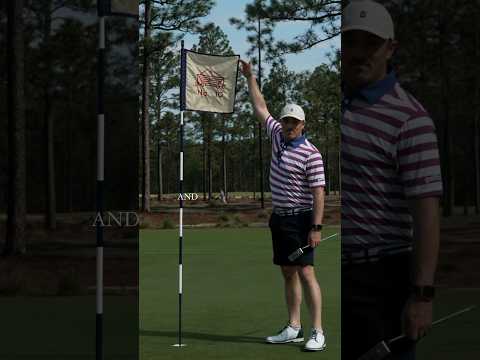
x,y
372,93
295,142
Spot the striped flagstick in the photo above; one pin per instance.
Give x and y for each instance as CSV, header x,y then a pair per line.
x,y
180,238
104,8
100,177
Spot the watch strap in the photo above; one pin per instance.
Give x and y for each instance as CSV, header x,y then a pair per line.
x,y
424,293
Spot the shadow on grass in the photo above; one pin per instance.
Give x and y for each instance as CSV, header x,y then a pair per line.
x,y
210,337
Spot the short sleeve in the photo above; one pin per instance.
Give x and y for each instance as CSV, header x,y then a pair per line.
x,y
273,127
418,158
315,170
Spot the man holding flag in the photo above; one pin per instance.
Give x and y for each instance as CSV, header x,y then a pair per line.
x,y
297,182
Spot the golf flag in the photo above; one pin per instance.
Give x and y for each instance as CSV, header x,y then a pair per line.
x,y
122,7
208,82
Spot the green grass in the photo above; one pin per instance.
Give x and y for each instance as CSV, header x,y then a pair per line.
x,y
233,295
457,338
61,328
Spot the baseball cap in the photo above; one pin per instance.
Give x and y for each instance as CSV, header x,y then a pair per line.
x,y
368,15
294,111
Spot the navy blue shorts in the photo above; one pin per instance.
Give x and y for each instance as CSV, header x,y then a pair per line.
x,y
288,234
373,298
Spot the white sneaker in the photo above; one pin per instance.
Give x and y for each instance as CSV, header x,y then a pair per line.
x,y
286,335
316,341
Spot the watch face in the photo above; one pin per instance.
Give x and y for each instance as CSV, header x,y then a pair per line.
x,y
426,292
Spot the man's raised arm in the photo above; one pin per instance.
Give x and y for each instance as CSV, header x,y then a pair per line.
x,y
259,105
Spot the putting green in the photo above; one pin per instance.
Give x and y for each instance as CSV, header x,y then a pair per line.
x,y
233,295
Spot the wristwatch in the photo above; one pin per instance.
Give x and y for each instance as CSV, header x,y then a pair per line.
x,y
317,227
424,293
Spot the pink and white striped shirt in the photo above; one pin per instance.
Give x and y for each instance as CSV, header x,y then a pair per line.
x,y
295,169
389,155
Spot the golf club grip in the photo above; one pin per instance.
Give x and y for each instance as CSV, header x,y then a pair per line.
x,y
299,252
328,237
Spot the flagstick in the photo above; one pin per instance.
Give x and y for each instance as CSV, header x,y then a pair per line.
x,y
100,179
180,239
180,243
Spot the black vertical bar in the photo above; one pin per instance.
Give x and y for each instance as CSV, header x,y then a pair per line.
x,y
260,142
99,337
99,349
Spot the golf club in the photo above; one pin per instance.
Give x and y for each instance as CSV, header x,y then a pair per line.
x,y
299,252
383,348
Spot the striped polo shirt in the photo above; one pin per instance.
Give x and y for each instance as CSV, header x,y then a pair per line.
x,y
295,169
389,154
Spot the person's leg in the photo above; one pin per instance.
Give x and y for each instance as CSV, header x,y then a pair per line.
x,y
293,294
399,267
362,311
313,294
373,296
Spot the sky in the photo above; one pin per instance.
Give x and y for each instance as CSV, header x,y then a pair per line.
x,y
225,9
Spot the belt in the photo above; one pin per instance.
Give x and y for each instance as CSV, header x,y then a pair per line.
x,y
372,255
290,211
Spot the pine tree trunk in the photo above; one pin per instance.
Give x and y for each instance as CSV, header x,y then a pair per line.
x,y
145,115
326,169
477,152
449,172
339,164
166,171
68,150
51,218
476,119
160,173
140,158
16,206
159,148
50,215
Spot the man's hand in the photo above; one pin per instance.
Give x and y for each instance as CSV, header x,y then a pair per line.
x,y
259,105
314,238
417,318
246,69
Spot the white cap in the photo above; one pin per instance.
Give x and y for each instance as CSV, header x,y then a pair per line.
x,y
294,111
368,15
